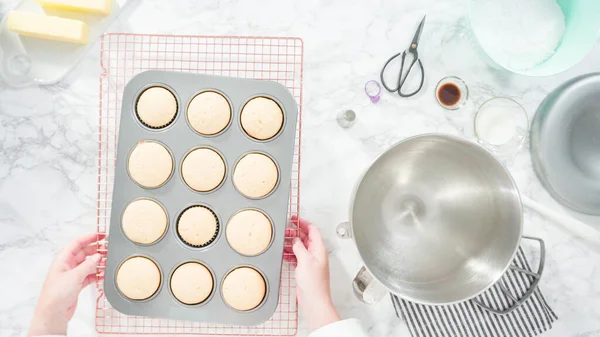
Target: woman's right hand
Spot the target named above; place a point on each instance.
(312, 274)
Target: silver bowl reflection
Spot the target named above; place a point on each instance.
(565, 144)
(437, 219)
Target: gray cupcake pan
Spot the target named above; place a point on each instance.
(175, 196)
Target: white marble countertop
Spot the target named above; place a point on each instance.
(48, 142)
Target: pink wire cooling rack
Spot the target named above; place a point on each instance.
(125, 55)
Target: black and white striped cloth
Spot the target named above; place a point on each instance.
(469, 320)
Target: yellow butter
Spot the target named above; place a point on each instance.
(87, 6)
(48, 27)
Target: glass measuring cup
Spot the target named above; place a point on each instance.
(501, 125)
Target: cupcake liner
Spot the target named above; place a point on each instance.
(212, 239)
(254, 137)
(139, 118)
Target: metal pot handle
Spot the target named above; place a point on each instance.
(343, 230)
(536, 280)
(366, 288)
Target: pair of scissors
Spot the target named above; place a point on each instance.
(401, 76)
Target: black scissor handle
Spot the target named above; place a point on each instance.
(397, 87)
(408, 72)
(401, 77)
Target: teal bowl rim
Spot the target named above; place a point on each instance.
(520, 72)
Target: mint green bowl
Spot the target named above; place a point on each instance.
(581, 33)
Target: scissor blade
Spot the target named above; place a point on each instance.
(415, 41)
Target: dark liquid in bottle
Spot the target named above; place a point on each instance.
(449, 94)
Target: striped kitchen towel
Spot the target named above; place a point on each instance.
(469, 320)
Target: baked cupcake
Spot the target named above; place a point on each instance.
(249, 232)
(197, 226)
(244, 288)
(255, 175)
(209, 113)
(138, 278)
(144, 221)
(203, 169)
(191, 283)
(150, 164)
(156, 107)
(261, 118)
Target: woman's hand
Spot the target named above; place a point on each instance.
(312, 274)
(73, 269)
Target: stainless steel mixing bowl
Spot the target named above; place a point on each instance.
(565, 143)
(436, 219)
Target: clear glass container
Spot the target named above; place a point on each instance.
(501, 125)
(451, 93)
(346, 119)
(26, 61)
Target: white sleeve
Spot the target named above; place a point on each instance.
(346, 328)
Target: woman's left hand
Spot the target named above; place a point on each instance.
(73, 269)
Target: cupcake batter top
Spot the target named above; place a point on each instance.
(261, 118)
(209, 113)
(197, 226)
(244, 288)
(138, 278)
(144, 221)
(191, 283)
(150, 164)
(255, 175)
(249, 232)
(203, 169)
(156, 107)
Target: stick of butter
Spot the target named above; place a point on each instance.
(48, 27)
(87, 6)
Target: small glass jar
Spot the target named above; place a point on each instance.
(346, 119)
(501, 125)
(451, 93)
